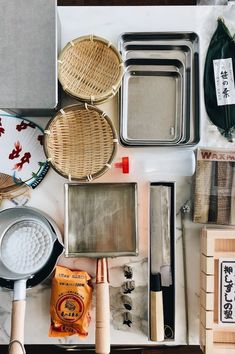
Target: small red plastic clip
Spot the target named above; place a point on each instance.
(124, 165)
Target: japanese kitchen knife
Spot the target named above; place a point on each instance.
(159, 248)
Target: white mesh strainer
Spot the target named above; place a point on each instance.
(26, 245)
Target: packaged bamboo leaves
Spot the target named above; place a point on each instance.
(219, 88)
(214, 189)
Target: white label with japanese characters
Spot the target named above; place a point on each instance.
(224, 81)
(227, 291)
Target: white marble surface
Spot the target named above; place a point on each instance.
(110, 22)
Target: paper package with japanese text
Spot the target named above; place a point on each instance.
(214, 188)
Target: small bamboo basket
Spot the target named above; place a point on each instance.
(9, 189)
(90, 69)
(80, 142)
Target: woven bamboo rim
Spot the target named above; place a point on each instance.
(9, 189)
(80, 142)
(90, 69)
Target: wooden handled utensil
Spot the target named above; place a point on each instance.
(101, 222)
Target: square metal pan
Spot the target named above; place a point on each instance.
(101, 220)
(190, 40)
(157, 86)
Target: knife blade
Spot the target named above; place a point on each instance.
(159, 256)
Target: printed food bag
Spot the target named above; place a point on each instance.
(70, 303)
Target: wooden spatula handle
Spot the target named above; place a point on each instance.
(102, 334)
(102, 319)
(17, 327)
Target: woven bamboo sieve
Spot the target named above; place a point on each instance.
(80, 142)
(9, 189)
(90, 69)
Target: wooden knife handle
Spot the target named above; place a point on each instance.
(156, 316)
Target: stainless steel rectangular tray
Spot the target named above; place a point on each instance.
(169, 45)
(169, 49)
(151, 99)
(175, 38)
(181, 53)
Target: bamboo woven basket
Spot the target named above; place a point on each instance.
(90, 69)
(80, 142)
(9, 189)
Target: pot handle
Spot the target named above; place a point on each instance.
(17, 327)
(17, 318)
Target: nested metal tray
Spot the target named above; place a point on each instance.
(160, 51)
(178, 45)
(174, 38)
(181, 53)
(152, 102)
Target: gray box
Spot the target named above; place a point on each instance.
(28, 56)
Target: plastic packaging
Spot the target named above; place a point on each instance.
(70, 303)
(214, 193)
(219, 88)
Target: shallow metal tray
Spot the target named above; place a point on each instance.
(152, 101)
(151, 38)
(160, 43)
(160, 51)
(181, 53)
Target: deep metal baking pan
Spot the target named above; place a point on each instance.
(175, 39)
(101, 220)
(151, 102)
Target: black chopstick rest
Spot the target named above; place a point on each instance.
(128, 272)
(128, 286)
(127, 302)
(127, 319)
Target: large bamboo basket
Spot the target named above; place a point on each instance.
(80, 142)
(90, 69)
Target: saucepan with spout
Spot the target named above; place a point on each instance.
(29, 249)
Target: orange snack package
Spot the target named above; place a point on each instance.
(70, 303)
